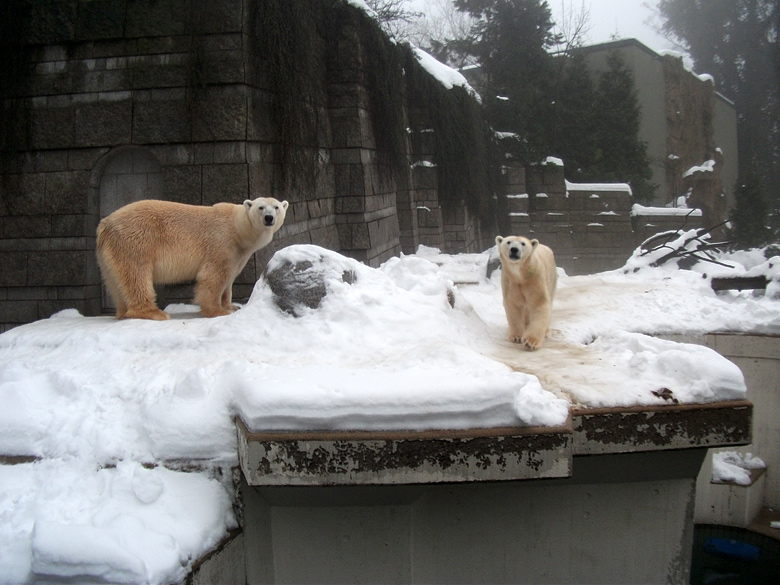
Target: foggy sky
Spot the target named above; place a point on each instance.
(622, 19)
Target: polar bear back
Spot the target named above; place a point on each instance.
(173, 237)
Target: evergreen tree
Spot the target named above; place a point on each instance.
(510, 40)
(576, 120)
(749, 215)
(622, 155)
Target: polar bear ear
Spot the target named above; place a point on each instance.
(247, 204)
(285, 205)
(499, 239)
(534, 243)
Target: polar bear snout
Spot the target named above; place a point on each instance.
(269, 219)
(514, 253)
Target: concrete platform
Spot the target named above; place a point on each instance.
(370, 458)
(353, 458)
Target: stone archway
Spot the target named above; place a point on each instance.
(130, 174)
(124, 175)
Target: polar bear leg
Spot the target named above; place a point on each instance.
(516, 317)
(137, 290)
(212, 282)
(115, 292)
(537, 328)
(227, 299)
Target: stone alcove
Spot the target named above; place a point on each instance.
(124, 175)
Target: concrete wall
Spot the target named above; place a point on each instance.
(589, 226)
(758, 356)
(607, 499)
(725, 135)
(627, 520)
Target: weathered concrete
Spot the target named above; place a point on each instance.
(352, 458)
(758, 356)
(616, 503)
(627, 520)
(312, 459)
(226, 564)
(641, 428)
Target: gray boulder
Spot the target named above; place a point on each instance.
(299, 283)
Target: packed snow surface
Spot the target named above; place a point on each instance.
(618, 187)
(707, 167)
(637, 209)
(111, 410)
(734, 467)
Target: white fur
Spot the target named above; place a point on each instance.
(152, 241)
(528, 282)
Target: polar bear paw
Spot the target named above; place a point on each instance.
(531, 342)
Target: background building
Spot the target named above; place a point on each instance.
(684, 120)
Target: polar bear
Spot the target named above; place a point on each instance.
(528, 281)
(163, 242)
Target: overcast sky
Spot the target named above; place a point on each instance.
(608, 19)
(621, 19)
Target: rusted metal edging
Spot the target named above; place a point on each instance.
(395, 458)
(657, 428)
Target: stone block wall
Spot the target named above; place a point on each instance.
(109, 89)
(178, 99)
(590, 227)
(180, 85)
(649, 223)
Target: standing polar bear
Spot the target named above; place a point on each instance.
(528, 281)
(152, 241)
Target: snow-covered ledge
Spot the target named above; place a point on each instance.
(386, 458)
(351, 458)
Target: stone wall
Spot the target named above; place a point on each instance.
(590, 227)
(122, 102)
(690, 120)
(175, 100)
(118, 100)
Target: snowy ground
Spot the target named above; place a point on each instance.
(102, 405)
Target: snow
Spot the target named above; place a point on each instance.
(604, 187)
(707, 167)
(444, 74)
(361, 5)
(734, 467)
(113, 411)
(64, 519)
(639, 210)
(705, 77)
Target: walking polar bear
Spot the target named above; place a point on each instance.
(152, 241)
(528, 281)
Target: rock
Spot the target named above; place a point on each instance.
(303, 283)
(493, 263)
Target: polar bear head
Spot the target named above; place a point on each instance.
(515, 248)
(266, 213)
